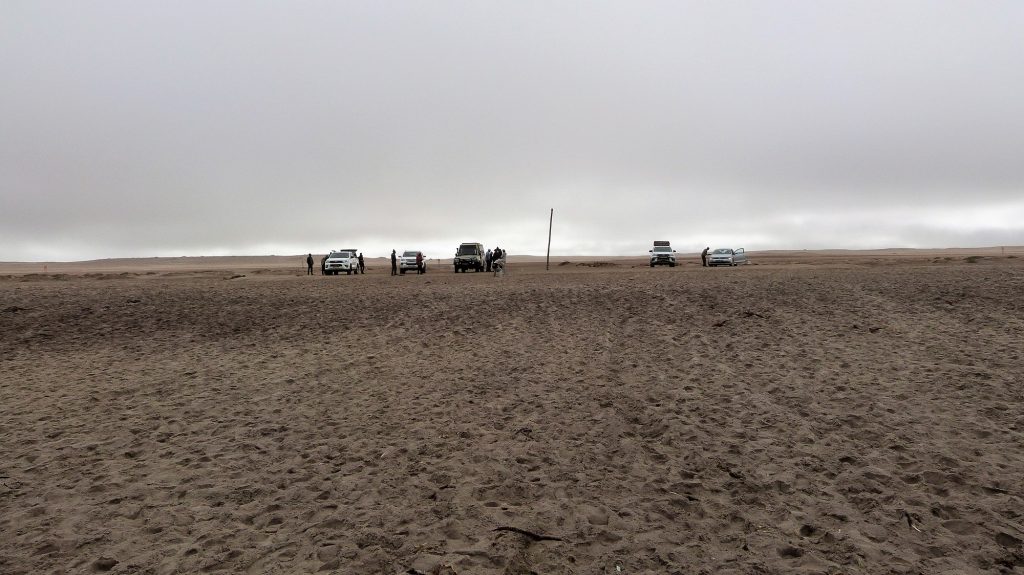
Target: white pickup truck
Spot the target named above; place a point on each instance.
(342, 261)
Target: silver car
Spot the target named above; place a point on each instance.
(728, 257)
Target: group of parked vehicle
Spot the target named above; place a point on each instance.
(662, 254)
(350, 261)
(468, 256)
(472, 256)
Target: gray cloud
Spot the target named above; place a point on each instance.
(136, 128)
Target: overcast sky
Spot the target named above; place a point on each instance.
(142, 128)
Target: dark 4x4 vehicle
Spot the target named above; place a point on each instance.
(469, 257)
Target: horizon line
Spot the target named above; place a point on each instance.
(579, 255)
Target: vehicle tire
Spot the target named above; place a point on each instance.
(652, 265)
(401, 272)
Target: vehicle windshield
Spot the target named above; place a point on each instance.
(467, 251)
(662, 249)
(408, 254)
(722, 251)
(341, 255)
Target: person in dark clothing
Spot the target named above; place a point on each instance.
(419, 262)
(309, 264)
(488, 259)
(323, 265)
(704, 257)
(394, 263)
(498, 261)
(362, 266)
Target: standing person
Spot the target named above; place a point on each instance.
(362, 266)
(498, 261)
(394, 263)
(419, 262)
(309, 265)
(488, 259)
(704, 257)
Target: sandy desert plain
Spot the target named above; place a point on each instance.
(816, 412)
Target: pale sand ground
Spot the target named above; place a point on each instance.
(784, 417)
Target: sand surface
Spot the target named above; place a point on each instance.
(850, 413)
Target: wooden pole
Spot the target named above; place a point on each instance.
(551, 220)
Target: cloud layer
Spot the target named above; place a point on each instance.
(137, 128)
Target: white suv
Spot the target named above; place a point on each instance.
(342, 261)
(662, 254)
(407, 262)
